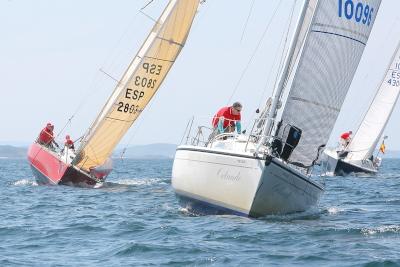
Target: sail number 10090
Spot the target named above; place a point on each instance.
(361, 13)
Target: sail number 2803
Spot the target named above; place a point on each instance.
(127, 107)
(353, 10)
(148, 68)
(140, 83)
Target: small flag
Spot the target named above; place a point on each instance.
(382, 148)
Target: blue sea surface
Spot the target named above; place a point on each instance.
(135, 220)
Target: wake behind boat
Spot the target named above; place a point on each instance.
(90, 165)
(269, 170)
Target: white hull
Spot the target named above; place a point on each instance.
(241, 183)
(340, 167)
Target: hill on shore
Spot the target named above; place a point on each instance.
(7, 151)
(152, 151)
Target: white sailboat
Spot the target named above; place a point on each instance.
(89, 166)
(358, 156)
(268, 171)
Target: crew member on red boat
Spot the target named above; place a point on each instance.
(345, 138)
(46, 136)
(69, 143)
(228, 118)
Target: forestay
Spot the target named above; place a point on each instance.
(371, 129)
(331, 52)
(139, 83)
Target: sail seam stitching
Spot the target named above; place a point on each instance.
(340, 35)
(314, 103)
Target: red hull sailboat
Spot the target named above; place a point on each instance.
(91, 164)
(49, 167)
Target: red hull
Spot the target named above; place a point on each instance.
(48, 168)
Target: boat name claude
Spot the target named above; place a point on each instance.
(225, 175)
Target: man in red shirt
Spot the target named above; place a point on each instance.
(345, 138)
(46, 136)
(228, 118)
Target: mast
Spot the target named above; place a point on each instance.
(280, 87)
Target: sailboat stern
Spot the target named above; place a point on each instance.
(337, 166)
(346, 167)
(283, 190)
(221, 182)
(209, 181)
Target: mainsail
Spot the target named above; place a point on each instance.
(365, 140)
(139, 83)
(330, 55)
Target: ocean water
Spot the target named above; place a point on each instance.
(135, 220)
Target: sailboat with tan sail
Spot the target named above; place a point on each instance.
(90, 165)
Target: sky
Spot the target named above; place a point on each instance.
(54, 56)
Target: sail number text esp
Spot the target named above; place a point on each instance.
(141, 82)
(394, 76)
(353, 10)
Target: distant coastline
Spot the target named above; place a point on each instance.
(151, 151)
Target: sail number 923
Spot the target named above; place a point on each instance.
(355, 10)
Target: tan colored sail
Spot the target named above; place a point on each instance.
(139, 83)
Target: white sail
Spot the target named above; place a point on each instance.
(365, 140)
(331, 53)
(138, 85)
(291, 62)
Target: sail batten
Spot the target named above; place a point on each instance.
(139, 83)
(331, 53)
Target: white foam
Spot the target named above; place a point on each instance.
(139, 182)
(381, 229)
(25, 182)
(334, 210)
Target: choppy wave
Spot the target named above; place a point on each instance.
(334, 210)
(136, 219)
(381, 230)
(140, 182)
